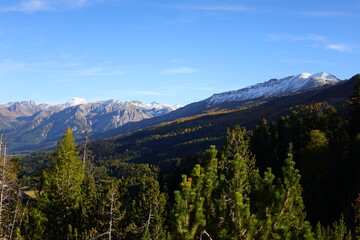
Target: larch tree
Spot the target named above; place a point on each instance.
(61, 197)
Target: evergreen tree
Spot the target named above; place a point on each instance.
(354, 108)
(263, 145)
(237, 177)
(60, 199)
(290, 221)
(149, 211)
(315, 180)
(189, 206)
(357, 217)
(110, 212)
(338, 231)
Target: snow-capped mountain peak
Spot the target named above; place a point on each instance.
(76, 101)
(276, 87)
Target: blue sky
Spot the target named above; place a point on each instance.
(174, 52)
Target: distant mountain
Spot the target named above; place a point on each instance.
(28, 125)
(167, 143)
(276, 87)
(31, 126)
(234, 100)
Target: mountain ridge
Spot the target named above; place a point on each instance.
(276, 87)
(109, 118)
(229, 101)
(29, 124)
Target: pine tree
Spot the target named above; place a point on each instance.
(357, 217)
(237, 178)
(338, 231)
(189, 206)
(150, 210)
(263, 145)
(110, 212)
(354, 108)
(315, 180)
(290, 222)
(61, 198)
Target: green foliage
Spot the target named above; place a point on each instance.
(338, 231)
(234, 185)
(188, 208)
(149, 210)
(61, 198)
(290, 222)
(357, 217)
(110, 211)
(226, 195)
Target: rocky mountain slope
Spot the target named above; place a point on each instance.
(239, 99)
(32, 127)
(276, 87)
(187, 138)
(28, 125)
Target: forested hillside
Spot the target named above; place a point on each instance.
(187, 137)
(293, 178)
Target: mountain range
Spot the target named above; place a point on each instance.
(239, 99)
(29, 126)
(172, 142)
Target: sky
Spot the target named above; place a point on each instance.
(175, 52)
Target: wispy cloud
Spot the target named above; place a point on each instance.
(57, 68)
(318, 41)
(339, 47)
(151, 93)
(30, 6)
(96, 71)
(328, 14)
(306, 61)
(205, 89)
(222, 8)
(16, 66)
(289, 37)
(181, 70)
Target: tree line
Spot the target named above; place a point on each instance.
(297, 178)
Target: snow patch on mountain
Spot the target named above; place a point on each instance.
(276, 87)
(75, 101)
(156, 109)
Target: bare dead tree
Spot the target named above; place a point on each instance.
(9, 199)
(114, 213)
(85, 145)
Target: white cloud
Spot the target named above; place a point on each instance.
(205, 89)
(151, 93)
(16, 66)
(30, 6)
(328, 14)
(223, 8)
(58, 68)
(339, 47)
(318, 42)
(181, 70)
(302, 61)
(289, 37)
(96, 71)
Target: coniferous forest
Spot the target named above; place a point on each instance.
(296, 178)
